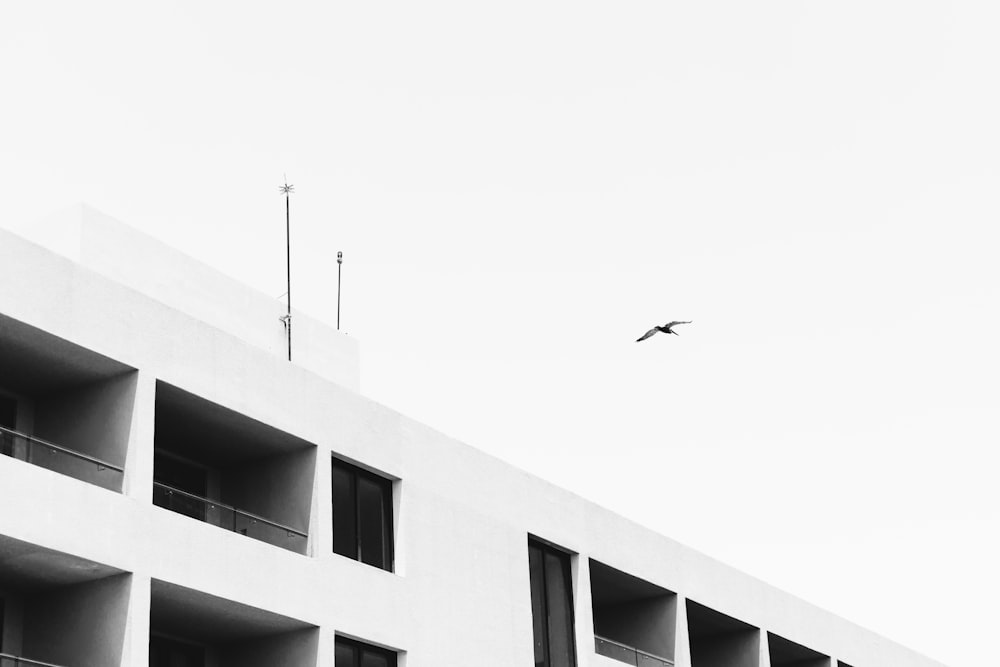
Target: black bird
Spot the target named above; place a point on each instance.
(666, 328)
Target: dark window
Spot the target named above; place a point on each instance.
(362, 515)
(350, 653)
(165, 652)
(551, 606)
(8, 419)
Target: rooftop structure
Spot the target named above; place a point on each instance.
(178, 494)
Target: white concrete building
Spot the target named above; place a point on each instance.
(176, 493)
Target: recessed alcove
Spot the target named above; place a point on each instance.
(719, 640)
(634, 619)
(58, 608)
(64, 407)
(190, 628)
(219, 466)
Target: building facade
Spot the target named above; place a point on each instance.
(176, 493)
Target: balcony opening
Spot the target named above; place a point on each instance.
(59, 609)
(786, 653)
(190, 628)
(718, 640)
(62, 406)
(224, 468)
(633, 619)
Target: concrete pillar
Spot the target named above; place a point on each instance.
(136, 648)
(139, 458)
(765, 650)
(583, 614)
(682, 640)
(321, 522)
(326, 650)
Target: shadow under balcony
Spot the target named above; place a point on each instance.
(62, 406)
(216, 465)
(190, 628)
(786, 653)
(718, 640)
(58, 609)
(634, 619)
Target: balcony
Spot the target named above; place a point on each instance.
(219, 466)
(718, 640)
(60, 459)
(190, 628)
(628, 654)
(228, 517)
(786, 653)
(634, 620)
(59, 609)
(62, 406)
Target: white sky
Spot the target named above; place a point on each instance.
(521, 189)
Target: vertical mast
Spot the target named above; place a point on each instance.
(340, 261)
(287, 190)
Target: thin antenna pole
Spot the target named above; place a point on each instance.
(340, 261)
(287, 190)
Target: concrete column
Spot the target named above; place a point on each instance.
(321, 517)
(139, 458)
(765, 650)
(136, 649)
(326, 651)
(682, 640)
(583, 613)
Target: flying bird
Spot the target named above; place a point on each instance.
(666, 328)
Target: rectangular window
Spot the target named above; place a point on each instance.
(362, 515)
(351, 653)
(551, 606)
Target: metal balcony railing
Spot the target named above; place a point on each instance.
(7, 660)
(628, 654)
(60, 459)
(224, 516)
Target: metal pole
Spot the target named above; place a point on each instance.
(340, 261)
(287, 190)
(288, 269)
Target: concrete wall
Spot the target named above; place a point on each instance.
(95, 419)
(78, 626)
(289, 649)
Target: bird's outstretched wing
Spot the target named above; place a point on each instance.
(667, 326)
(647, 334)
